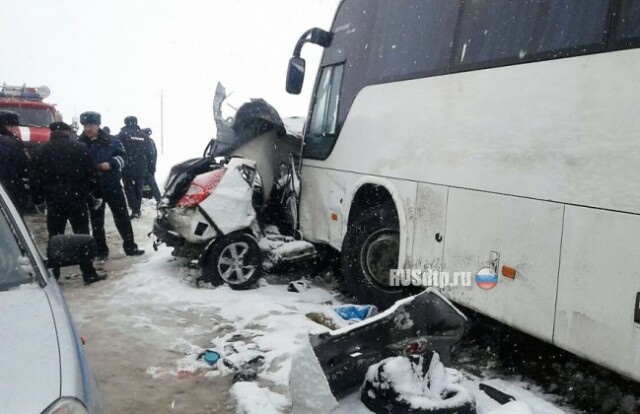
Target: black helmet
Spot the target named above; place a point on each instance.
(59, 126)
(131, 121)
(8, 118)
(90, 117)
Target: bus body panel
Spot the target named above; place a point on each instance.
(543, 130)
(526, 234)
(599, 281)
(325, 192)
(430, 218)
(321, 195)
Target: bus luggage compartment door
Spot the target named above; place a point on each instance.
(523, 235)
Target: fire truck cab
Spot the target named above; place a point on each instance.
(35, 115)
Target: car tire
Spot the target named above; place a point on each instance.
(236, 260)
(381, 397)
(364, 244)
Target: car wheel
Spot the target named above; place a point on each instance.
(370, 250)
(235, 260)
(383, 394)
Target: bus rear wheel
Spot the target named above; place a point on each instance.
(370, 250)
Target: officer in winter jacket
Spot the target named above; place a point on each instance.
(109, 157)
(14, 161)
(63, 174)
(152, 159)
(135, 142)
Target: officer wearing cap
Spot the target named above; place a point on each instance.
(63, 174)
(14, 161)
(150, 171)
(135, 142)
(109, 156)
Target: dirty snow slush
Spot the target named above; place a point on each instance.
(148, 328)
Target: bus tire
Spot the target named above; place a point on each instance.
(366, 238)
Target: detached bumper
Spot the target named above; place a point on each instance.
(163, 231)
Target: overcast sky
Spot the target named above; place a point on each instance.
(114, 57)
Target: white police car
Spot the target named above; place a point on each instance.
(43, 368)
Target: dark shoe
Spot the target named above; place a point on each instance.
(93, 279)
(136, 252)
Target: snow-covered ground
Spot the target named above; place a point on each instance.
(148, 325)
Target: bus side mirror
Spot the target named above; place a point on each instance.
(295, 75)
(320, 37)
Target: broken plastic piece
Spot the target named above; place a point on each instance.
(355, 312)
(496, 394)
(211, 357)
(428, 316)
(298, 286)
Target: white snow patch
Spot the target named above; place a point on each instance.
(533, 397)
(252, 399)
(514, 407)
(270, 320)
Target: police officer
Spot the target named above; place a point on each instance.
(14, 161)
(150, 172)
(63, 174)
(109, 157)
(135, 142)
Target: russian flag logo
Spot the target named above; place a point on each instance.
(486, 279)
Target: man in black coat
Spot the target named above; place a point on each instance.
(150, 173)
(14, 161)
(135, 143)
(64, 175)
(109, 157)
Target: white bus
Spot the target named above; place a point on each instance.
(464, 134)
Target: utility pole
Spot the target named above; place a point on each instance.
(161, 121)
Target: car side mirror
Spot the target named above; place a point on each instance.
(70, 250)
(295, 75)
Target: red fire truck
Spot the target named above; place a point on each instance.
(35, 115)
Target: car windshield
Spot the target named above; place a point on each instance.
(41, 117)
(15, 266)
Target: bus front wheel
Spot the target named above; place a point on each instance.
(370, 250)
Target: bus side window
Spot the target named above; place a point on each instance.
(574, 24)
(323, 125)
(494, 30)
(500, 32)
(412, 41)
(628, 32)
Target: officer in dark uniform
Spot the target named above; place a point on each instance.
(109, 156)
(150, 172)
(135, 142)
(63, 174)
(14, 161)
